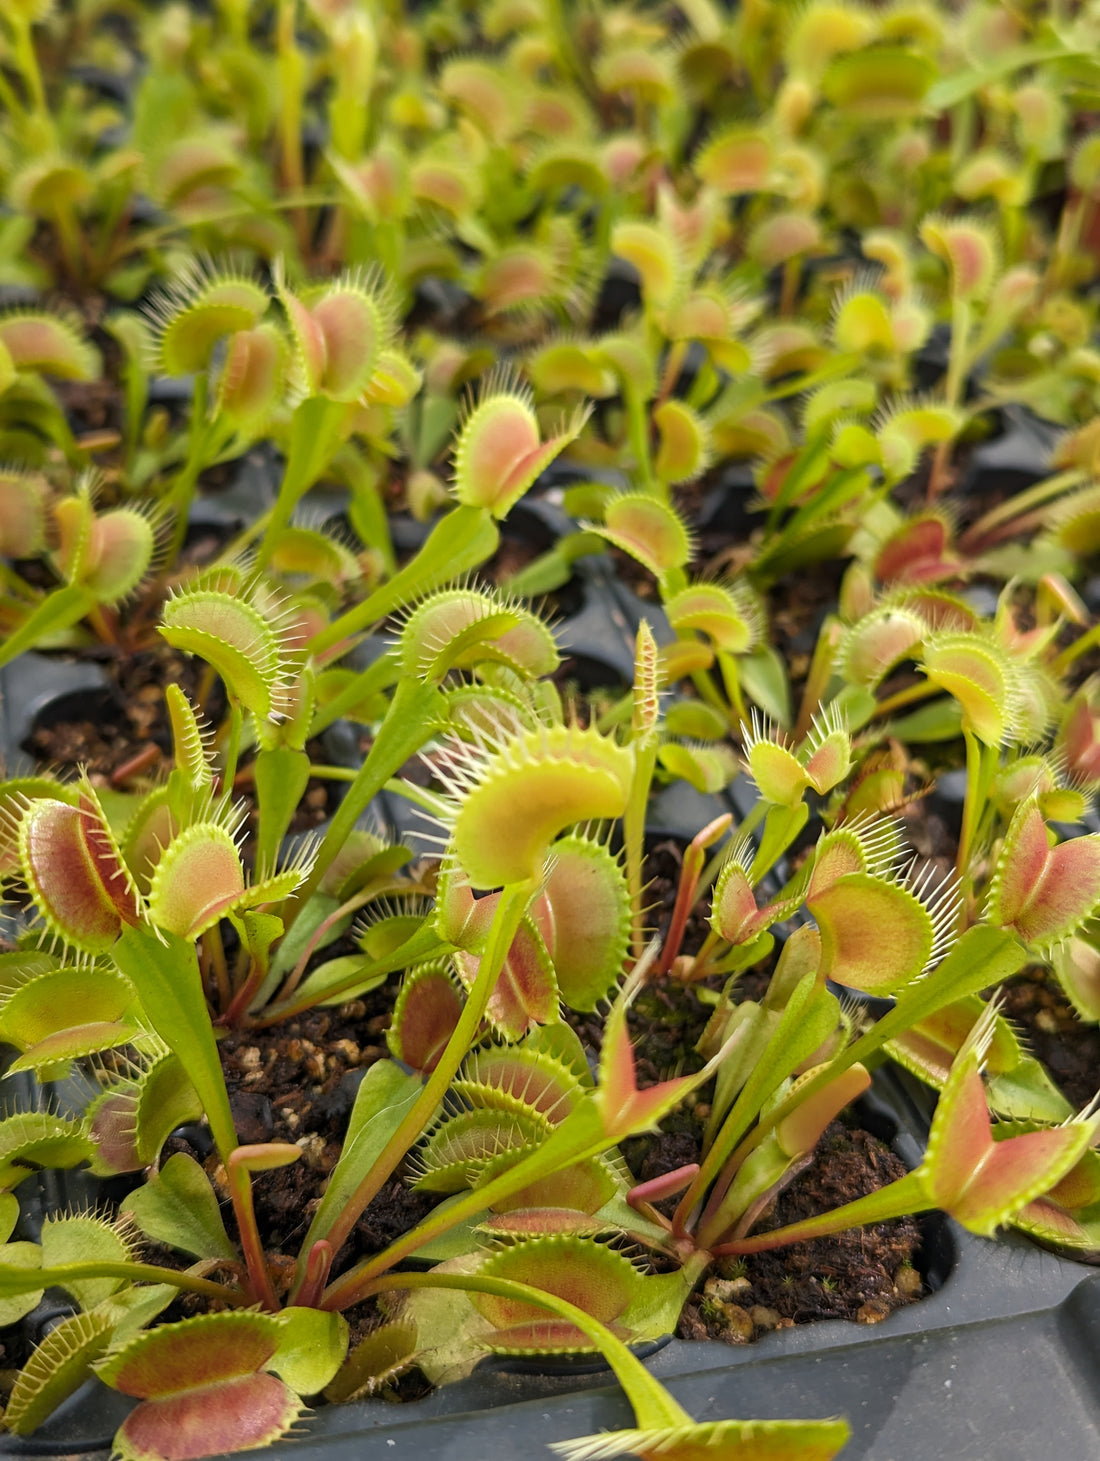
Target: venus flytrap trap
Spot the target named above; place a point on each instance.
(35, 344)
(208, 307)
(344, 358)
(105, 558)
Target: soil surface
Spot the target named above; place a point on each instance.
(297, 1083)
(861, 1275)
(126, 741)
(128, 724)
(1069, 1049)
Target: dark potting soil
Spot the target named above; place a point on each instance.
(127, 742)
(132, 723)
(297, 1083)
(861, 1275)
(1070, 1049)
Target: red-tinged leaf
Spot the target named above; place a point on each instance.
(352, 329)
(669, 1184)
(233, 1415)
(1014, 1172)
(424, 1017)
(1067, 893)
(583, 915)
(23, 500)
(539, 1222)
(915, 553)
(880, 640)
(119, 553)
(981, 1182)
(175, 1358)
(595, 1278)
(875, 936)
(830, 762)
(624, 1110)
(309, 340)
(1081, 741)
(500, 434)
(736, 160)
(1043, 893)
(75, 873)
(542, 1336)
(526, 991)
(251, 380)
(1021, 867)
(581, 1189)
(113, 1129)
(52, 344)
(499, 451)
(648, 530)
(733, 909)
(834, 860)
(1044, 1219)
(799, 1132)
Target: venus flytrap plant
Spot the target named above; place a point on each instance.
(982, 1181)
(763, 1122)
(662, 1428)
(243, 631)
(103, 556)
(498, 453)
(989, 687)
(567, 776)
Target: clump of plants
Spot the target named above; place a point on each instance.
(741, 301)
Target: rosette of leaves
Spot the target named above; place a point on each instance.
(571, 946)
(792, 1060)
